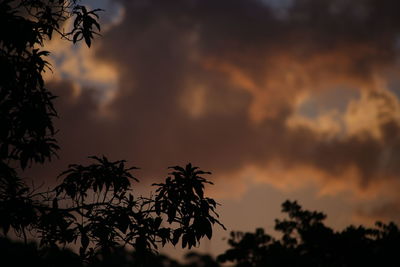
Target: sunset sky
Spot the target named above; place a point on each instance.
(290, 99)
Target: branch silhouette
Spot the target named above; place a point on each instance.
(94, 206)
(306, 241)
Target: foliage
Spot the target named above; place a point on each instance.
(26, 109)
(307, 241)
(182, 199)
(94, 206)
(11, 251)
(14, 253)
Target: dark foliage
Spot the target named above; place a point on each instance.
(304, 241)
(11, 251)
(26, 109)
(94, 206)
(307, 241)
(21, 254)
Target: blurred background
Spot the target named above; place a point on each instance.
(290, 99)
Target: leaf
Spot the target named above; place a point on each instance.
(123, 223)
(157, 207)
(207, 228)
(177, 235)
(198, 187)
(88, 40)
(171, 214)
(184, 240)
(157, 222)
(84, 241)
(96, 24)
(177, 168)
(77, 36)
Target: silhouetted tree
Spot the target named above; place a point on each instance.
(307, 241)
(14, 253)
(26, 109)
(94, 206)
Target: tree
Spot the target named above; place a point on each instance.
(11, 251)
(307, 241)
(26, 109)
(94, 205)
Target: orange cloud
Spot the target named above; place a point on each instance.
(253, 97)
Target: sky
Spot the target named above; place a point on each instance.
(294, 99)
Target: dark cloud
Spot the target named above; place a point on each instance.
(388, 211)
(194, 74)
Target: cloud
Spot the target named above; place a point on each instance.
(77, 63)
(385, 212)
(225, 84)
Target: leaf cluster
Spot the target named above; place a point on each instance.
(26, 106)
(306, 241)
(94, 207)
(84, 24)
(181, 199)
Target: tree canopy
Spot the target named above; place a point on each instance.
(26, 108)
(305, 240)
(302, 239)
(94, 206)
